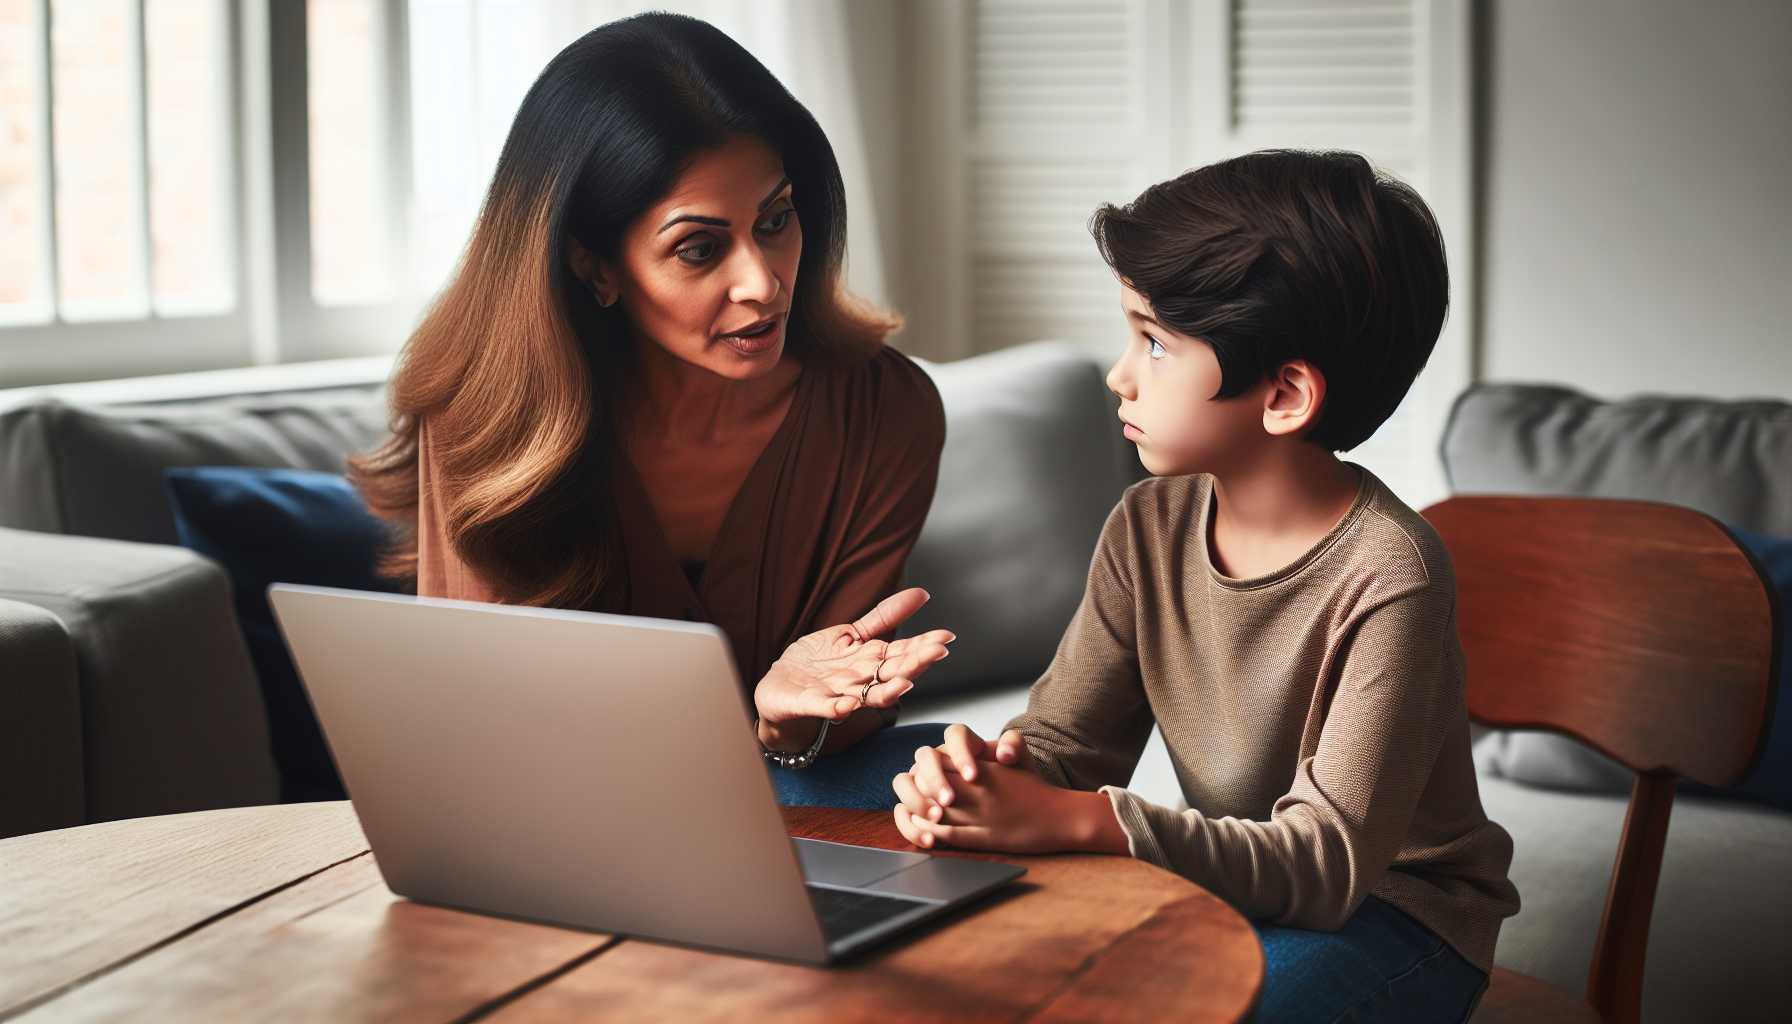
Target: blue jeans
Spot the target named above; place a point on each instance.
(859, 776)
(1381, 966)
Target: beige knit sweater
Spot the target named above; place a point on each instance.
(1315, 717)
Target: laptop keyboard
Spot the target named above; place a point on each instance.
(843, 913)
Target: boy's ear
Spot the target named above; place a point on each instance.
(1293, 398)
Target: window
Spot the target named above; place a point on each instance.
(115, 148)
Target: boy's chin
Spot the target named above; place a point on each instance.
(1159, 464)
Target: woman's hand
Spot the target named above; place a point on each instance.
(833, 672)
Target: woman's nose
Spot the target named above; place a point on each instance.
(754, 281)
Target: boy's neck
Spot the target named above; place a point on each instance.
(1270, 511)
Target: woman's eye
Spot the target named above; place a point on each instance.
(1157, 348)
(697, 254)
(778, 221)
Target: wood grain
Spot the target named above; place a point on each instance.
(1146, 944)
(1639, 628)
(278, 914)
(76, 901)
(337, 947)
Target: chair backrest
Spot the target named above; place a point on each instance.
(1639, 628)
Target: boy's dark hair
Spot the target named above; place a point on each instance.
(1282, 255)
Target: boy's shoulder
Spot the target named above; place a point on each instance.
(1400, 544)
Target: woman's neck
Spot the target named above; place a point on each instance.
(675, 402)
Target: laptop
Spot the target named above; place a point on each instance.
(596, 771)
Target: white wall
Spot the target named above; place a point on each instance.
(1637, 167)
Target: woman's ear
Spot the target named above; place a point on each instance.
(1292, 402)
(593, 272)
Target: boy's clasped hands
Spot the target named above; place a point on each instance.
(971, 793)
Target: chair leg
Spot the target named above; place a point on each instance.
(1615, 982)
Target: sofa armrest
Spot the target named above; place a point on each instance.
(40, 723)
(171, 717)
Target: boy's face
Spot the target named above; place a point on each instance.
(1167, 382)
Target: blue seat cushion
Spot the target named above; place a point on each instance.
(269, 526)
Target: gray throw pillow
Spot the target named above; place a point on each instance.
(1033, 462)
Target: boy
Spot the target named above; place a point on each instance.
(1282, 616)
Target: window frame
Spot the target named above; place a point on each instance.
(274, 318)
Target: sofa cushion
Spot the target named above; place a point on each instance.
(97, 471)
(40, 723)
(1730, 460)
(268, 526)
(171, 719)
(1033, 462)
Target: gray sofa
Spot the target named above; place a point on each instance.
(126, 689)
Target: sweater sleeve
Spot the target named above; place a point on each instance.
(1331, 837)
(1087, 718)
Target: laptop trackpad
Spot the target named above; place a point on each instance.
(839, 864)
(947, 878)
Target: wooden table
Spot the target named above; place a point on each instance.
(278, 913)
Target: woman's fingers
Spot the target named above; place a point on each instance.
(933, 637)
(891, 612)
(832, 706)
(913, 662)
(889, 692)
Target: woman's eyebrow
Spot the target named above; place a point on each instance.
(783, 183)
(1136, 315)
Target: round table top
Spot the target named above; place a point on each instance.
(274, 913)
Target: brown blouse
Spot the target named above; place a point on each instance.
(818, 533)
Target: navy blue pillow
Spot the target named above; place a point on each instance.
(1771, 780)
(282, 526)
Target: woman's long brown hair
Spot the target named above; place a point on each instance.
(515, 368)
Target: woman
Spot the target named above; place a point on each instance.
(645, 391)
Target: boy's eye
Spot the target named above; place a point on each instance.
(1157, 348)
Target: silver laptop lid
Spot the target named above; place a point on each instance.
(594, 770)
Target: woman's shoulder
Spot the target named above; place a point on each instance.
(886, 369)
(886, 395)
(895, 389)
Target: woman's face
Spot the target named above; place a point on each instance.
(707, 273)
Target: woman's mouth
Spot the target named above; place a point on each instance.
(756, 338)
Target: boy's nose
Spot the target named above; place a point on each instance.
(1119, 380)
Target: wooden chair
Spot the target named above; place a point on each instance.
(1640, 629)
